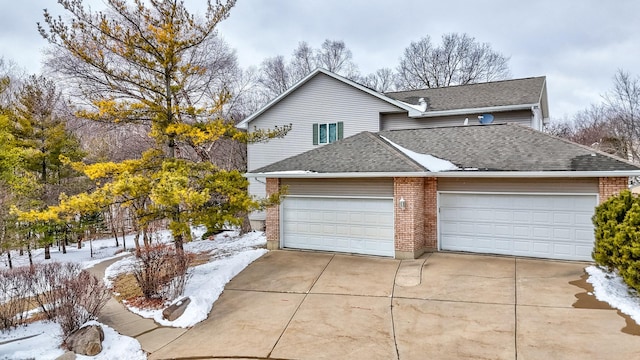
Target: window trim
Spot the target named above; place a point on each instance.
(339, 132)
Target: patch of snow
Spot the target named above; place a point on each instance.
(421, 108)
(430, 162)
(103, 249)
(48, 338)
(610, 288)
(230, 254)
(121, 266)
(204, 287)
(291, 172)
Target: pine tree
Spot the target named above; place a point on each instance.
(146, 63)
(42, 135)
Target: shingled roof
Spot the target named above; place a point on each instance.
(482, 95)
(473, 149)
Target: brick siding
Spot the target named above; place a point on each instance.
(409, 222)
(431, 214)
(272, 225)
(610, 186)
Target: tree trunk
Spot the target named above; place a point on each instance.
(64, 240)
(124, 238)
(9, 259)
(47, 251)
(30, 257)
(246, 224)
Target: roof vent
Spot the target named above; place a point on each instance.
(485, 119)
(423, 104)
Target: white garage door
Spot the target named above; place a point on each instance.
(546, 226)
(352, 225)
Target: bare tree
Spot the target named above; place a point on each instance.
(303, 61)
(278, 74)
(623, 104)
(275, 75)
(383, 80)
(594, 127)
(334, 56)
(459, 60)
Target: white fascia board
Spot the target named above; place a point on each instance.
(472, 110)
(244, 124)
(469, 174)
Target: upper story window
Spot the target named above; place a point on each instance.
(326, 133)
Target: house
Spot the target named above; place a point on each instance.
(324, 107)
(403, 173)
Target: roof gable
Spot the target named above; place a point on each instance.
(244, 123)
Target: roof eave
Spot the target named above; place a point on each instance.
(463, 173)
(503, 108)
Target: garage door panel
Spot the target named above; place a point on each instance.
(354, 225)
(538, 225)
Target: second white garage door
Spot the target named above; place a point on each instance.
(546, 226)
(352, 225)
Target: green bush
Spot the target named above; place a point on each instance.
(617, 232)
(609, 215)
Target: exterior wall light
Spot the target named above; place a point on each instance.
(402, 203)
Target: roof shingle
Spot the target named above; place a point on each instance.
(499, 93)
(499, 147)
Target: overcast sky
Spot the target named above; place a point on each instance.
(577, 44)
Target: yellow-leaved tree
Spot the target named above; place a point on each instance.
(148, 62)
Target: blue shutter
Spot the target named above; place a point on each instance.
(315, 134)
(340, 130)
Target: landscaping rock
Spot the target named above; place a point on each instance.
(86, 341)
(176, 310)
(69, 355)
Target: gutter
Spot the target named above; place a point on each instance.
(417, 114)
(450, 174)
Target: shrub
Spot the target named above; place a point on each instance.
(617, 230)
(81, 299)
(161, 271)
(64, 293)
(608, 216)
(14, 297)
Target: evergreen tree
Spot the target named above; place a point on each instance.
(147, 63)
(41, 134)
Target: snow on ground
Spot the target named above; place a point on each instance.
(610, 288)
(230, 254)
(47, 337)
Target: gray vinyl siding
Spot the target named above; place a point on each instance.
(399, 121)
(560, 185)
(369, 187)
(322, 99)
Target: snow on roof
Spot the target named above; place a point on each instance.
(430, 162)
(291, 172)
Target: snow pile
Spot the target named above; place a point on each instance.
(612, 289)
(47, 337)
(230, 254)
(430, 162)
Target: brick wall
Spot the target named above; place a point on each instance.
(431, 214)
(609, 186)
(409, 222)
(272, 225)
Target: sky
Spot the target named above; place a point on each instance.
(577, 44)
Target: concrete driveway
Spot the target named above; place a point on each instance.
(305, 305)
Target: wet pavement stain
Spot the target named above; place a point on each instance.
(587, 300)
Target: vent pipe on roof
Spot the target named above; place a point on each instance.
(423, 104)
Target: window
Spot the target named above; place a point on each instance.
(327, 133)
